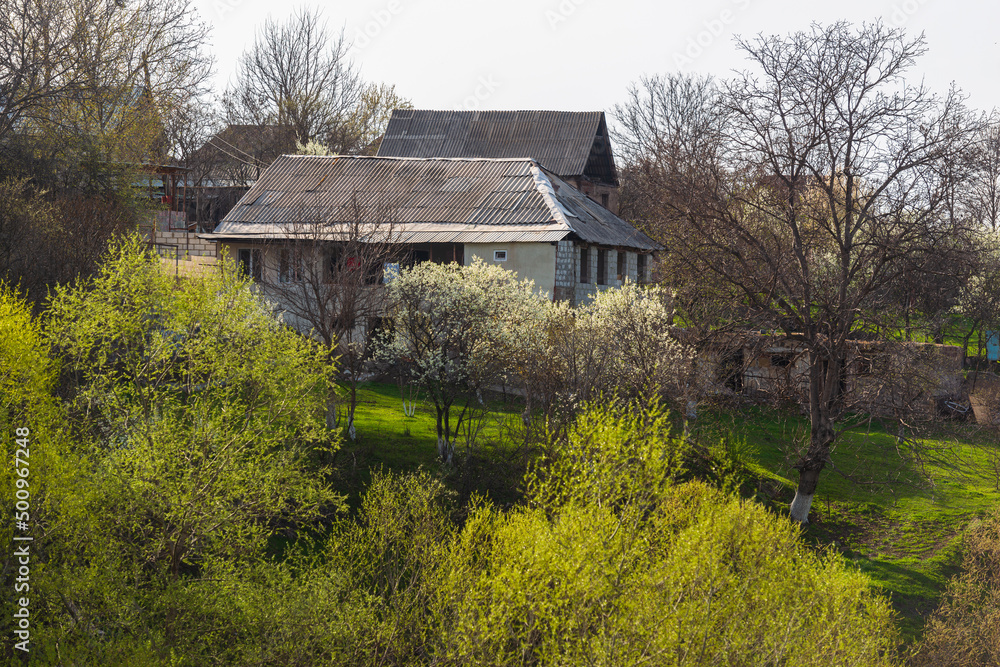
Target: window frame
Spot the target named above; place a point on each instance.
(251, 263)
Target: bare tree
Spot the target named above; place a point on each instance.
(297, 74)
(984, 184)
(804, 190)
(330, 271)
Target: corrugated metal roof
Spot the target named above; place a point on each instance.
(569, 143)
(499, 200)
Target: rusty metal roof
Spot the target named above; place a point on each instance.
(447, 200)
(568, 143)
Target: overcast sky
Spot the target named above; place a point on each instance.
(581, 55)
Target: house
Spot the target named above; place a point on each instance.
(227, 164)
(513, 211)
(878, 377)
(572, 145)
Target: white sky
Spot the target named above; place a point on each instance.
(581, 55)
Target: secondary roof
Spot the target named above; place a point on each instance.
(568, 143)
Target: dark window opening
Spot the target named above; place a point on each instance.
(584, 265)
(289, 266)
(421, 256)
(251, 264)
(602, 267)
(622, 267)
(333, 265)
(731, 371)
(374, 273)
(783, 360)
(604, 199)
(640, 269)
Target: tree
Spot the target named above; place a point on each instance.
(203, 413)
(105, 73)
(806, 190)
(89, 91)
(618, 346)
(454, 330)
(984, 184)
(329, 272)
(297, 74)
(611, 562)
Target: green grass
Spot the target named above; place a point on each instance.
(896, 510)
(389, 440)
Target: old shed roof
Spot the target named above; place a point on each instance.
(568, 143)
(434, 200)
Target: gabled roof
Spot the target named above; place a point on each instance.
(434, 200)
(568, 143)
(237, 153)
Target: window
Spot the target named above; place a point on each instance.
(602, 267)
(584, 265)
(499, 255)
(289, 266)
(622, 267)
(781, 360)
(604, 199)
(640, 269)
(333, 265)
(251, 264)
(421, 256)
(373, 272)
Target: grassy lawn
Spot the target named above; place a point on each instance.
(897, 510)
(389, 440)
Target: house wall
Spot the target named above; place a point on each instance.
(899, 377)
(534, 261)
(583, 292)
(567, 273)
(595, 190)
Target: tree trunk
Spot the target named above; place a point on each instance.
(350, 413)
(445, 450)
(823, 380)
(802, 503)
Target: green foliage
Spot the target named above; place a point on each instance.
(204, 411)
(705, 580)
(965, 629)
(614, 457)
(610, 571)
(198, 422)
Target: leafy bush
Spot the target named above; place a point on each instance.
(965, 629)
(608, 569)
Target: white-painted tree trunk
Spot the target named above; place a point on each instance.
(801, 505)
(444, 450)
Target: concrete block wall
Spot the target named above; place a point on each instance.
(187, 244)
(582, 292)
(566, 271)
